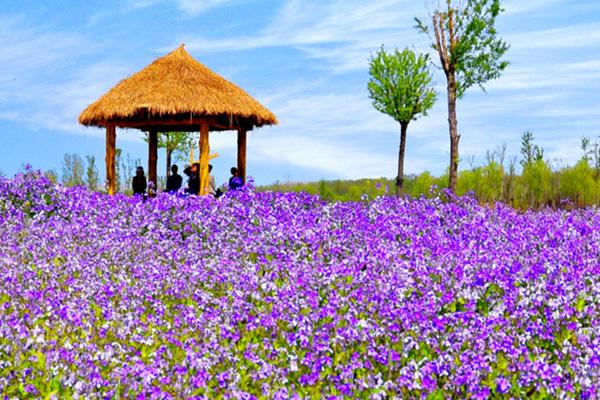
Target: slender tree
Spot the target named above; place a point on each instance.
(530, 152)
(400, 86)
(72, 170)
(173, 142)
(470, 53)
(91, 173)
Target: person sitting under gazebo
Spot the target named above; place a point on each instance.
(174, 180)
(193, 173)
(235, 182)
(138, 183)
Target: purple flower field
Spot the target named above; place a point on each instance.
(270, 295)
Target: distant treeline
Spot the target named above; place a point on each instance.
(83, 171)
(537, 184)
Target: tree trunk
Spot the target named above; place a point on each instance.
(241, 154)
(169, 152)
(453, 128)
(152, 158)
(400, 177)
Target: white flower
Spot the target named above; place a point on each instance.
(293, 364)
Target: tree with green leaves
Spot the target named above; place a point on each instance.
(400, 86)
(530, 152)
(173, 142)
(465, 39)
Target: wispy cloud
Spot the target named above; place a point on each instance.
(44, 82)
(191, 8)
(342, 33)
(513, 7)
(571, 36)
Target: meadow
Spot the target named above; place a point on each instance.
(284, 295)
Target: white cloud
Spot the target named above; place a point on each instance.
(44, 84)
(192, 8)
(572, 36)
(325, 154)
(342, 33)
(513, 7)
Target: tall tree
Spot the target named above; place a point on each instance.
(173, 142)
(400, 86)
(470, 53)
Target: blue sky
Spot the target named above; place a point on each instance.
(305, 60)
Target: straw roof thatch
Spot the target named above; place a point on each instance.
(176, 92)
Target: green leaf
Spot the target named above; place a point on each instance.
(580, 304)
(437, 395)
(502, 362)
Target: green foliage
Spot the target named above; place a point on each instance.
(469, 180)
(337, 190)
(471, 48)
(422, 184)
(493, 178)
(50, 174)
(173, 141)
(91, 173)
(400, 84)
(536, 184)
(72, 170)
(578, 183)
(529, 151)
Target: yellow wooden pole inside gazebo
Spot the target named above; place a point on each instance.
(203, 148)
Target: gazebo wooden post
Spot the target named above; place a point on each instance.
(109, 159)
(241, 153)
(203, 148)
(152, 157)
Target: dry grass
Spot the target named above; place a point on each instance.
(176, 87)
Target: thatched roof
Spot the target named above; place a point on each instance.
(176, 92)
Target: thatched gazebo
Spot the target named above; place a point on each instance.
(175, 93)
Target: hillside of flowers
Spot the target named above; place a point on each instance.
(272, 295)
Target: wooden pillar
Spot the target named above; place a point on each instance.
(110, 159)
(204, 149)
(241, 154)
(152, 157)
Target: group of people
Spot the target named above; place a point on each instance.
(175, 181)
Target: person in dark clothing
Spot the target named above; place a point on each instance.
(235, 182)
(193, 173)
(138, 183)
(174, 181)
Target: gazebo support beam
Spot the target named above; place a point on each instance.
(241, 154)
(188, 125)
(152, 157)
(110, 159)
(204, 149)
